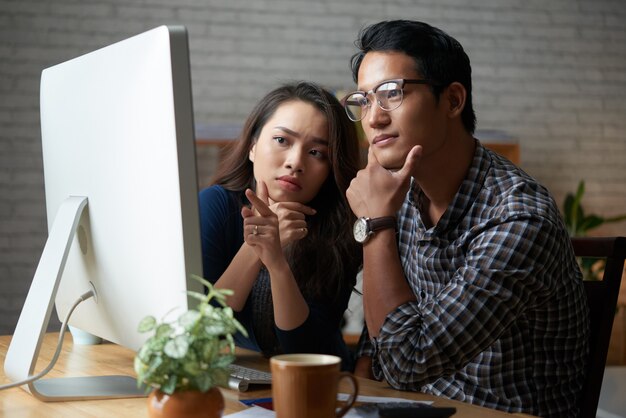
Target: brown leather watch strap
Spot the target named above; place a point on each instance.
(384, 222)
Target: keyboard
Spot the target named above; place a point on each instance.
(241, 377)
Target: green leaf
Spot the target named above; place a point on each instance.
(223, 361)
(192, 368)
(590, 222)
(147, 324)
(164, 331)
(189, 319)
(615, 219)
(140, 367)
(204, 382)
(154, 365)
(228, 342)
(576, 211)
(579, 193)
(177, 348)
(240, 327)
(170, 385)
(220, 376)
(155, 345)
(207, 310)
(227, 312)
(202, 280)
(587, 262)
(225, 292)
(145, 351)
(220, 299)
(209, 349)
(214, 329)
(198, 296)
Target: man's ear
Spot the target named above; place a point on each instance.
(456, 95)
(251, 153)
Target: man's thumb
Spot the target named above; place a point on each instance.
(411, 161)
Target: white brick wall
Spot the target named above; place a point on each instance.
(550, 73)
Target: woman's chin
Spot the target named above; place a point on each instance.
(285, 196)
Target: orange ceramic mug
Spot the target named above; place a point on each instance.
(305, 386)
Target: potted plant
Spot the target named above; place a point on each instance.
(185, 360)
(578, 223)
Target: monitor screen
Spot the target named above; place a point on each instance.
(121, 192)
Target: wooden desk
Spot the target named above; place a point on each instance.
(112, 359)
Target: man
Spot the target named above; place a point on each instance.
(470, 286)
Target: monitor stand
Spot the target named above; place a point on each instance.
(32, 325)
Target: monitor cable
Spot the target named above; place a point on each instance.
(45, 371)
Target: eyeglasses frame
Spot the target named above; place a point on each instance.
(400, 81)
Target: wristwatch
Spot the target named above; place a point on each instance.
(365, 227)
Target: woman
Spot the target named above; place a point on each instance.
(276, 225)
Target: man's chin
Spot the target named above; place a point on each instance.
(390, 162)
(390, 165)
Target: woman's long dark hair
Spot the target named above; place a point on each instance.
(326, 261)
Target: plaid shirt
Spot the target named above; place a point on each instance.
(500, 318)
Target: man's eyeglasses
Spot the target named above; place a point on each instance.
(388, 96)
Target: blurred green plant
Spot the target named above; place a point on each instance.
(578, 223)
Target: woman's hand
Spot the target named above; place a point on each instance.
(291, 220)
(263, 234)
(260, 228)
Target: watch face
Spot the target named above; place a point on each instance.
(360, 230)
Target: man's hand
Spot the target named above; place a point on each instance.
(373, 193)
(376, 191)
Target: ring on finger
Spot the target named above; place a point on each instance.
(255, 230)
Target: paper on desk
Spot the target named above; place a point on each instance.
(377, 399)
(258, 412)
(253, 412)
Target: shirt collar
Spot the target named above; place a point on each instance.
(465, 197)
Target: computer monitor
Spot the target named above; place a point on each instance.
(121, 199)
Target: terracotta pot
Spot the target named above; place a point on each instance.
(186, 404)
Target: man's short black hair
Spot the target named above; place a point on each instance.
(438, 56)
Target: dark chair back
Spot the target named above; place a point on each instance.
(602, 301)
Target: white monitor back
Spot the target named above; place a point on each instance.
(117, 127)
(121, 196)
